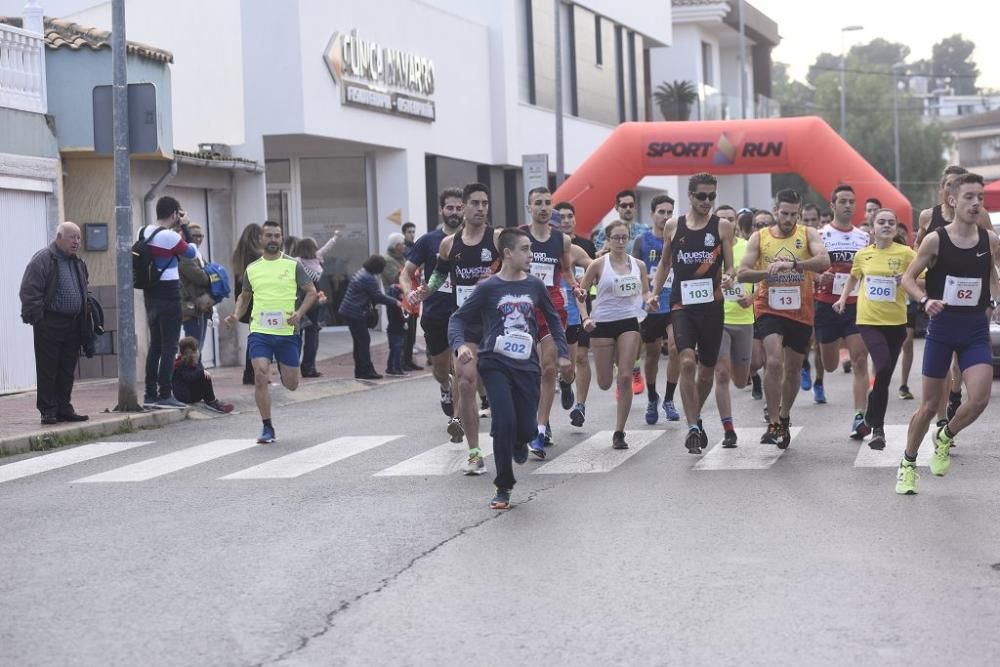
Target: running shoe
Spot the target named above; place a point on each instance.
(819, 394)
(904, 393)
(150, 401)
(771, 435)
(618, 440)
(455, 429)
(878, 439)
(474, 465)
(805, 380)
(548, 435)
(671, 411)
(729, 439)
(756, 393)
(219, 406)
(447, 406)
(171, 402)
(941, 422)
(693, 441)
(859, 429)
(484, 408)
(638, 385)
(767, 417)
(501, 500)
(520, 452)
(267, 435)
(568, 399)
(784, 435)
(846, 365)
(704, 436)
(941, 460)
(653, 410)
(906, 478)
(537, 446)
(578, 415)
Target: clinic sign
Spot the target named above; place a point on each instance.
(381, 78)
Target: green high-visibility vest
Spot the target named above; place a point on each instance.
(274, 288)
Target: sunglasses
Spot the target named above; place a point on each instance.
(619, 239)
(626, 205)
(704, 196)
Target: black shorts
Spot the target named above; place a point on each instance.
(912, 309)
(573, 333)
(794, 335)
(583, 338)
(831, 326)
(615, 328)
(654, 327)
(436, 335)
(699, 329)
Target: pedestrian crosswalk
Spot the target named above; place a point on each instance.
(592, 455)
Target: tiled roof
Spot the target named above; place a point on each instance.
(60, 33)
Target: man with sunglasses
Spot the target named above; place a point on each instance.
(699, 247)
(625, 207)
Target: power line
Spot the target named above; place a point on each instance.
(933, 75)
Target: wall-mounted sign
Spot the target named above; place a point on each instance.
(376, 77)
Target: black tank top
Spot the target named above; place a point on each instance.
(696, 254)
(547, 258)
(937, 219)
(974, 262)
(472, 263)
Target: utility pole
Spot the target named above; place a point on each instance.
(127, 399)
(560, 166)
(843, 77)
(743, 93)
(895, 118)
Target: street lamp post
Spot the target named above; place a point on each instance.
(843, 77)
(895, 117)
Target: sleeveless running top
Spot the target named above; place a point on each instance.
(619, 296)
(937, 219)
(736, 314)
(471, 264)
(697, 260)
(546, 263)
(787, 294)
(961, 276)
(650, 249)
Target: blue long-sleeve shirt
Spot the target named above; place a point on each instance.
(502, 306)
(361, 293)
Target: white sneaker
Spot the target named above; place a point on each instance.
(474, 465)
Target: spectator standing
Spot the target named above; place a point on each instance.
(310, 257)
(246, 253)
(54, 301)
(196, 301)
(362, 292)
(168, 242)
(409, 234)
(395, 258)
(395, 332)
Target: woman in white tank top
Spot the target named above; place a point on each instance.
(614, 319)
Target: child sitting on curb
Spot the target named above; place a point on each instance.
(191, 383)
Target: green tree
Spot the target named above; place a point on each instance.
(951, 60)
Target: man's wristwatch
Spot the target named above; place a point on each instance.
(994, 303)
(923, 303)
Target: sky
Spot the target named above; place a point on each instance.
(808, 28)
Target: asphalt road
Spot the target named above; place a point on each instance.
(355, 553)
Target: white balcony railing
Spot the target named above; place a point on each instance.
(22, 70)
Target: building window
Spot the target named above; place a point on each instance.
(529, 33)
(706, 64)
(620, 73)
(598, 41)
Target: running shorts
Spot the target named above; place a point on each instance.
(283, 349)
(832, 326)
(964, 334)
(573, 333)
(436, 335)
(737, 343)
(654, 327)
(543, 325)
(795, 335)
(699, 329)
(615, 328)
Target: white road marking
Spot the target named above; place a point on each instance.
(595, 454)
(444, 459)
(313, 458)
(895, 445)
(748, 455)
(168, 463)
(64, 458)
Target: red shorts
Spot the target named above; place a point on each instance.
(556, 294)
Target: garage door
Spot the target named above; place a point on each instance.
(22, 223)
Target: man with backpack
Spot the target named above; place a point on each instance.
(155, 262)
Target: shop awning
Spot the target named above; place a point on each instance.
(993, 196)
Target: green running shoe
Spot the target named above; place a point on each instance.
(941, 460)
(906, 478)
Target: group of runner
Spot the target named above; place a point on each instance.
(510, 315)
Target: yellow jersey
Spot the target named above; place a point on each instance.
(881, 299)
(788, 294)
(736, 314)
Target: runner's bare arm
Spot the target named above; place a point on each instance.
(926, 254)
(591, 277)
(441, 268)
(241, 305)
(747, 273)
(727, 231)
(567, 264)
(923, 222)
(644, 281)
(407, 276)
(308, 300)
(820, 260)
(663, 266)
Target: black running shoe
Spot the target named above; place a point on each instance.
(567, 396)
(618, 440)
(578, 415)
(729, 439)
(693, 441)
(757, 393)
(878, 439)
(771, 435)
(785, 436)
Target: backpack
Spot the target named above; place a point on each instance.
(144, 271)
(219, 279)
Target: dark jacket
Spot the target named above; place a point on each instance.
(195, 285)
(396, 325)
(361, 293)
(38, 286)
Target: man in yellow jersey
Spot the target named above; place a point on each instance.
(737, 343)
(782, 259)
(272, 282)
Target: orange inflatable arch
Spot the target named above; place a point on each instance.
(805, 145)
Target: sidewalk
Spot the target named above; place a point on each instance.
(22, 431)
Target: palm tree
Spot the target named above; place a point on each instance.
(675, 99)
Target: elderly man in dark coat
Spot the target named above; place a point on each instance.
(54, 302)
